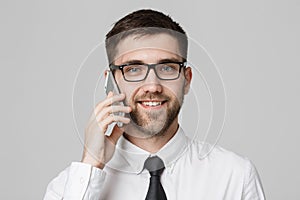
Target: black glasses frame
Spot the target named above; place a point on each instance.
(150, 66)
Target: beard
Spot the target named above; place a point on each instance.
(155, 122)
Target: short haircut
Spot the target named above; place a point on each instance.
(144, 22)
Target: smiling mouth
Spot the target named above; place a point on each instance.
(151, 103)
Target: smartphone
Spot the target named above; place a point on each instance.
(111, 85)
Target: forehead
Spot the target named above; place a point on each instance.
(148, 48)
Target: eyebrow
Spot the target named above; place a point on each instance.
(166, 60)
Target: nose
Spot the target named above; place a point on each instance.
(152, 83)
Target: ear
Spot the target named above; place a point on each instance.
(188, 78)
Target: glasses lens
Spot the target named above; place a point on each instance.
(135, 72)
(167, 70)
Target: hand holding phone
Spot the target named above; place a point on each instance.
(101, 133)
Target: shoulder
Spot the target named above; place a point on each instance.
(221, 154)
(220, 157)
(222, 162)
(222, 166)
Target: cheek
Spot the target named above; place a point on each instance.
(127, 89)
(176, 89)
(118, 76)
(123, 85)
(178, 94)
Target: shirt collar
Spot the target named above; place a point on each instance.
(130, 158)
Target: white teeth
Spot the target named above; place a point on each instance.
(151, 103)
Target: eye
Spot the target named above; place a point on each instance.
(132, 69)
(168, 68)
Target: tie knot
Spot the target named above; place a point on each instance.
(154, 165)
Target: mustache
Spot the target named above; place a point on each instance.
(151, 96)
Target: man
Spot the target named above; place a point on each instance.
(149, 157)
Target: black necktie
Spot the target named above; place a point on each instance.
(155, 166)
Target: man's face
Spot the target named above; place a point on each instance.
(155, 103)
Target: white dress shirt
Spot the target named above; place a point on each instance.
(221, 175)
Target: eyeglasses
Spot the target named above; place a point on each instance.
(139, 72)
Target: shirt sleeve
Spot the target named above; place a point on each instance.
(78, 181)
(253, 189)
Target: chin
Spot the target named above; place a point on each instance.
(154, 131)
(145, 131)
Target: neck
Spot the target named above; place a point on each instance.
(155, 143)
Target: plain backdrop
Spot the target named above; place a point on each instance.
(255, 45)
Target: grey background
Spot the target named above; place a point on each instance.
(254, 43)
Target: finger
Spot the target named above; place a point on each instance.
(116, 108)
(111, 110)
(115, 118)
(110, 119)
(113, 99)
(108, 101)
(99, 107)
(110, 94)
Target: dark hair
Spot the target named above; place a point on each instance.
(144, 22)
